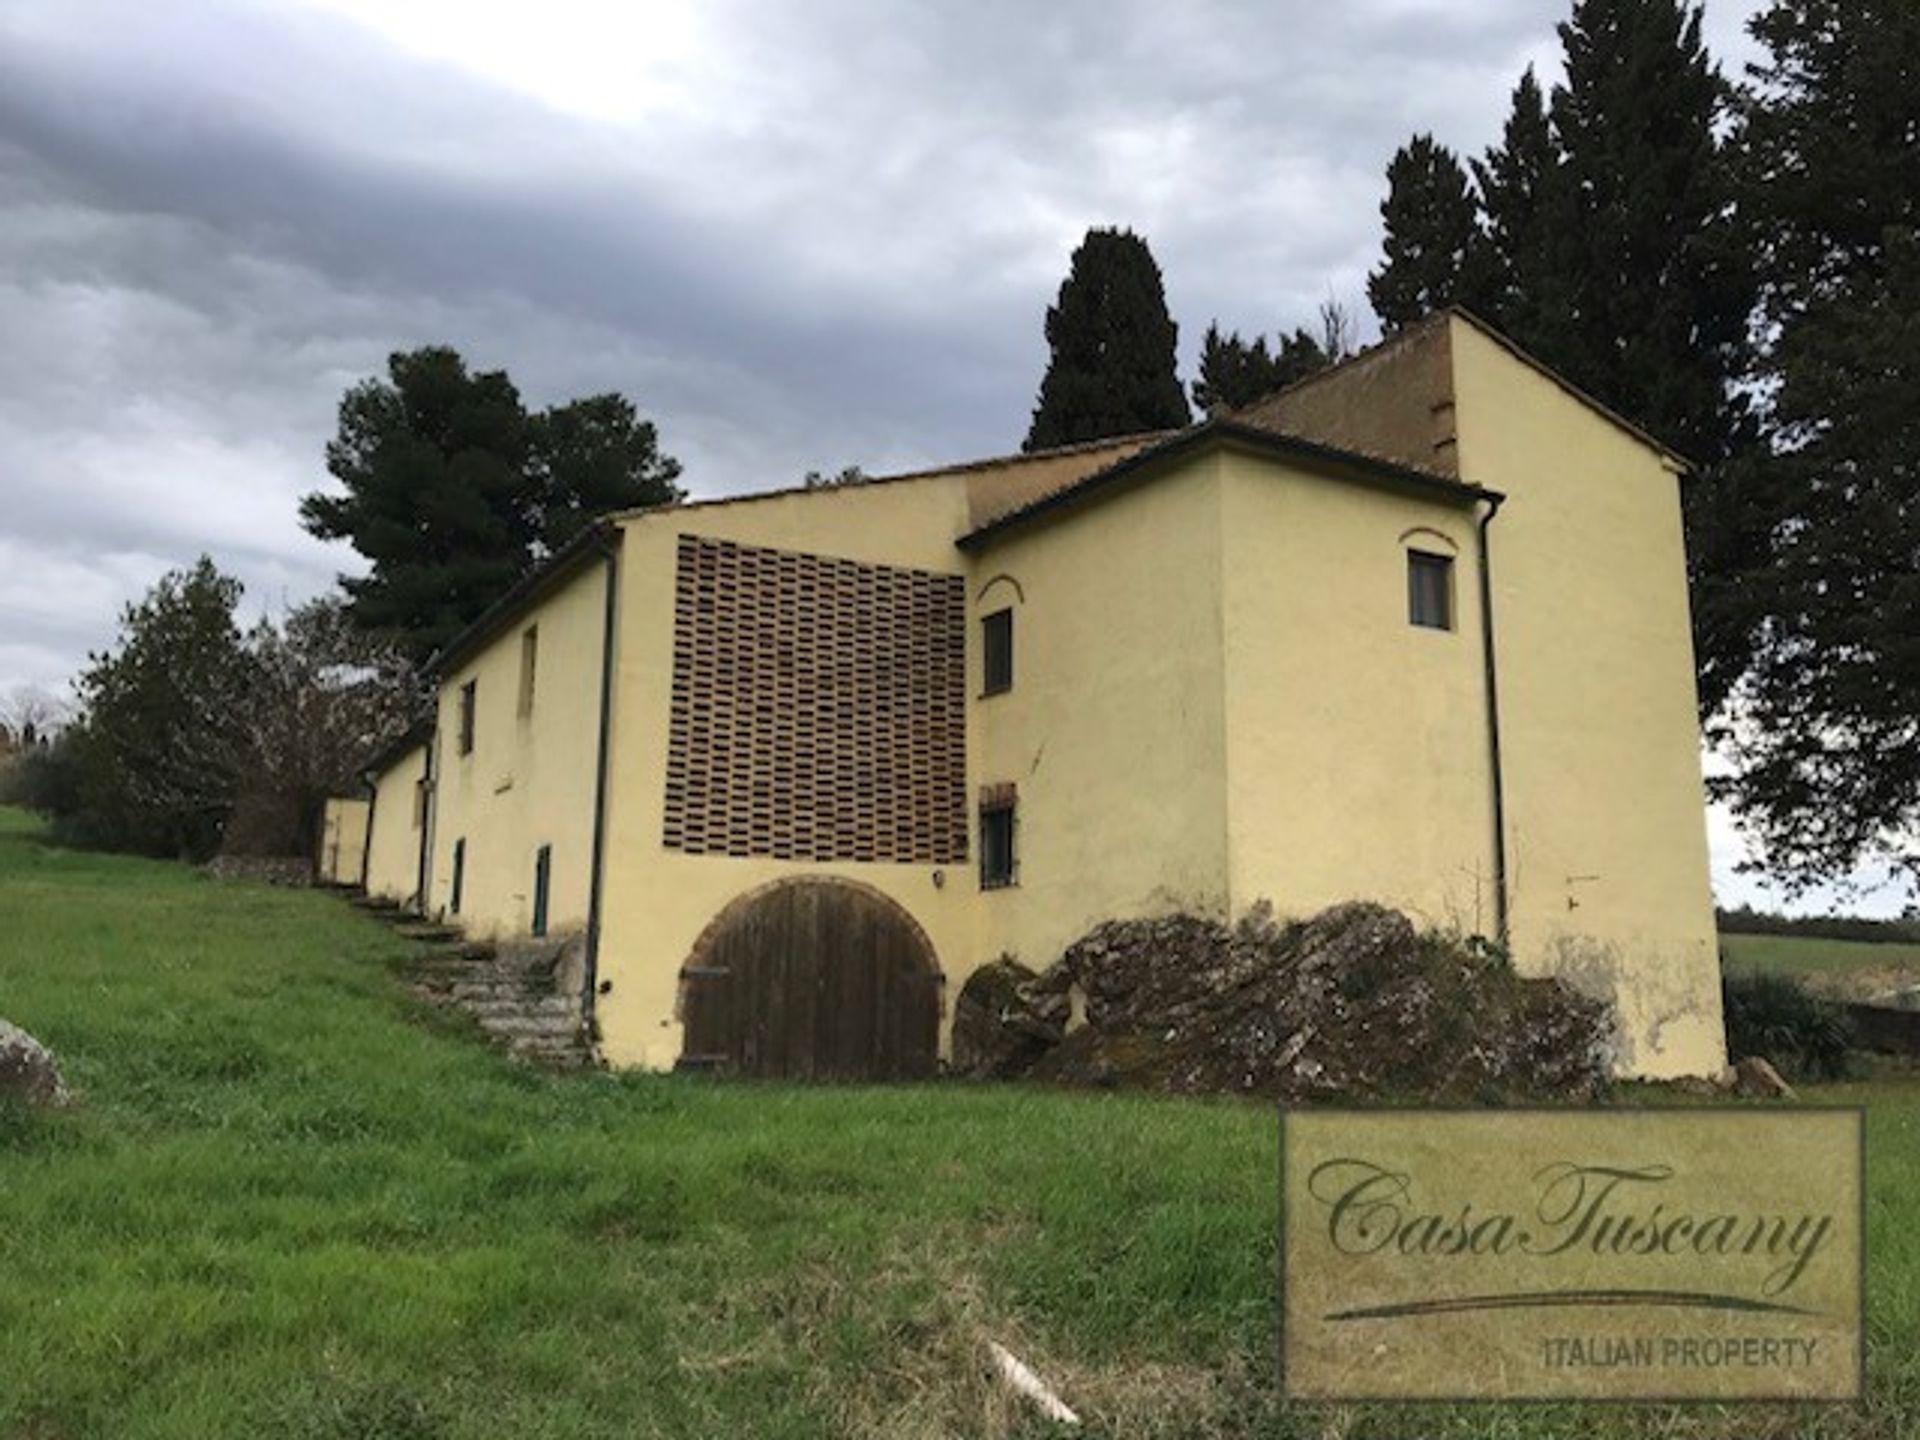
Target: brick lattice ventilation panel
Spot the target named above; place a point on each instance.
(819, 708)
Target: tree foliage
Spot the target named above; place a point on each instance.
(325, 695)
(1828, 739)
(1526, 196)
(845, 475)
(1660, 289)
(453, 490)
(30, 715)
(194, 737)
(1434, 247)
(587, 458)
(1236, 372)
(1648, 258)
(159, 752)
(1112, 368)
(1601, 234)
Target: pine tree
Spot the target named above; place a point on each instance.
(1829, 747)
(433, 460)
(453, 491)
(589, 457)
(1235, 373)
(1433, 241)
(1112, 369)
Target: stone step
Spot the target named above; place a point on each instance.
(426, 930)
(553, 1027)
(455, 967)
(561, 1006)
(514, 990)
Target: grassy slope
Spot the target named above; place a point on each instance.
(291, 1204)
(1801, 955)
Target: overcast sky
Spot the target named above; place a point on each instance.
(801, 236)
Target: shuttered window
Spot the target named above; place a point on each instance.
(542, 880)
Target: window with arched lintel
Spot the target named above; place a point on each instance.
(1425, 537)
(997, 599)
(1007, 586)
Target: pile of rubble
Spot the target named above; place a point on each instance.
(1350, 1003)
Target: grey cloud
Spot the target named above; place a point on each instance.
(213, 219)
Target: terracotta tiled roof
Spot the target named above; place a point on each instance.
(1194, 440)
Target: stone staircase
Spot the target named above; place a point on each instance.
(524, 994)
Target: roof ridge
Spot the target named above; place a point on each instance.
(958, 467)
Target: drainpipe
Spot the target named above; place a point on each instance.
(366, 840)
(1494, 502)
(610, 548)
(423, 868)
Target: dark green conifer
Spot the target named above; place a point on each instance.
(1112, 368)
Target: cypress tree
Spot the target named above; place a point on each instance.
(1829, 751)
(1525, 198)
(1648, 255)
(1433, 239)
(1235, 373)
(1648, 268)
(1112, 369)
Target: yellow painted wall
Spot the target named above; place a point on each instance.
(530, 779)
(1114, 731)
(656, 900)
(343, 840)
(1606, 822)
(393, 850)
(1218, 699)
(1357, 763)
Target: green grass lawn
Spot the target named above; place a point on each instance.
(291, 1203)
(1805, 955)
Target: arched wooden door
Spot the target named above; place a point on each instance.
(813, 980)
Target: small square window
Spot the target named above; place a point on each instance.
(996, 846)
(1430, 590)
(996, 645)
(467, 697)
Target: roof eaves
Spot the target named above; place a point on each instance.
(395, 750)
(594, 541)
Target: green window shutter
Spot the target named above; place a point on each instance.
(542, 879)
